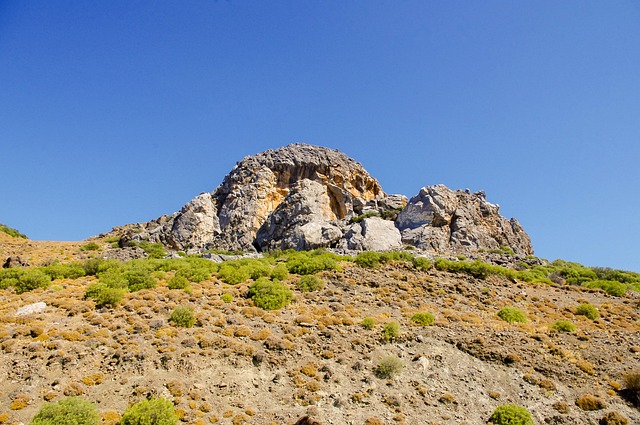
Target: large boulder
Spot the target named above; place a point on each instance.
(230, 217)
(442, 220)
(191, 228)
(371, 234)
(258, 184)
(302, 221)
(302, 197)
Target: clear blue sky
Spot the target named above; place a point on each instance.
(115, 112)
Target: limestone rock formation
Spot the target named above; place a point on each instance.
(194, 226)
(442, 220)
(301, 221)
(258, 184)
(372, 234)
(302, 197)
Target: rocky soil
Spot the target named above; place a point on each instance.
(241, 364)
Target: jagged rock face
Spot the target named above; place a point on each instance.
(258, 184)
(442, 220)
(193, 227)
(372, 234)
(302, 197)
(301, 221)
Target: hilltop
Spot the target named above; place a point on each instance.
(390, 310)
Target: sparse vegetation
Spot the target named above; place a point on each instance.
(361, 217)
(359, 309)
(310, 283)
(153, 250)
(91, 246)
(12, 232)
(563, 326)
(311, 262)
(613, 418)
(30, 280)
(68, 411)
(587, 310)
(388, 367)
(270, 295)
(182, 316)
(423, 318)
(178, 282)
(421, 263)
(512, 315)
(391, 331)
(590, 402)
(511, 414)
(156, 411)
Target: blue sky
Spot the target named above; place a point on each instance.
(121, 111)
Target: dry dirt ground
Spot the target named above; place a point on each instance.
(241, 364)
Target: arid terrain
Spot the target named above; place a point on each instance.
(243, 364)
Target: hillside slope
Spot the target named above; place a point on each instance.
(243, 364)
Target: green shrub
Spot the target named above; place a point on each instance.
(389, 256)
(270, 295)
(310, 283)
(91, 246)
(8, 282)
(510, 414)
(62, 271)
(92, 266)
(182, 316)
(153, 250)
(138, 279)
(258, 269)
(421, 263)
(32, 279)
(178, 282)
(12, 232)
(233, 274)
(9, 277)
(588, 310)
(512, 315)
(227, 297)
(105, 296)
(368, 259)
(157, 411)
(563, 326)
(113, 278)
(391, 331)
(388, 367)
(279, 272)
(312, 262)
(68, 411)
(611, 287)
(361, 217)
(368, 323)
(423, 318)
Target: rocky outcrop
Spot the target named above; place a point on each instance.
(302, 197)
(191, 228)
(258, 184)
(371, 234)
(15, 261)
(231, 216)
(302, 221)
(442, 220)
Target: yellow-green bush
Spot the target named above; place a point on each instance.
(69, 411)
(156, 411)
(270, 295)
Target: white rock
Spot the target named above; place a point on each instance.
(34, 308)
